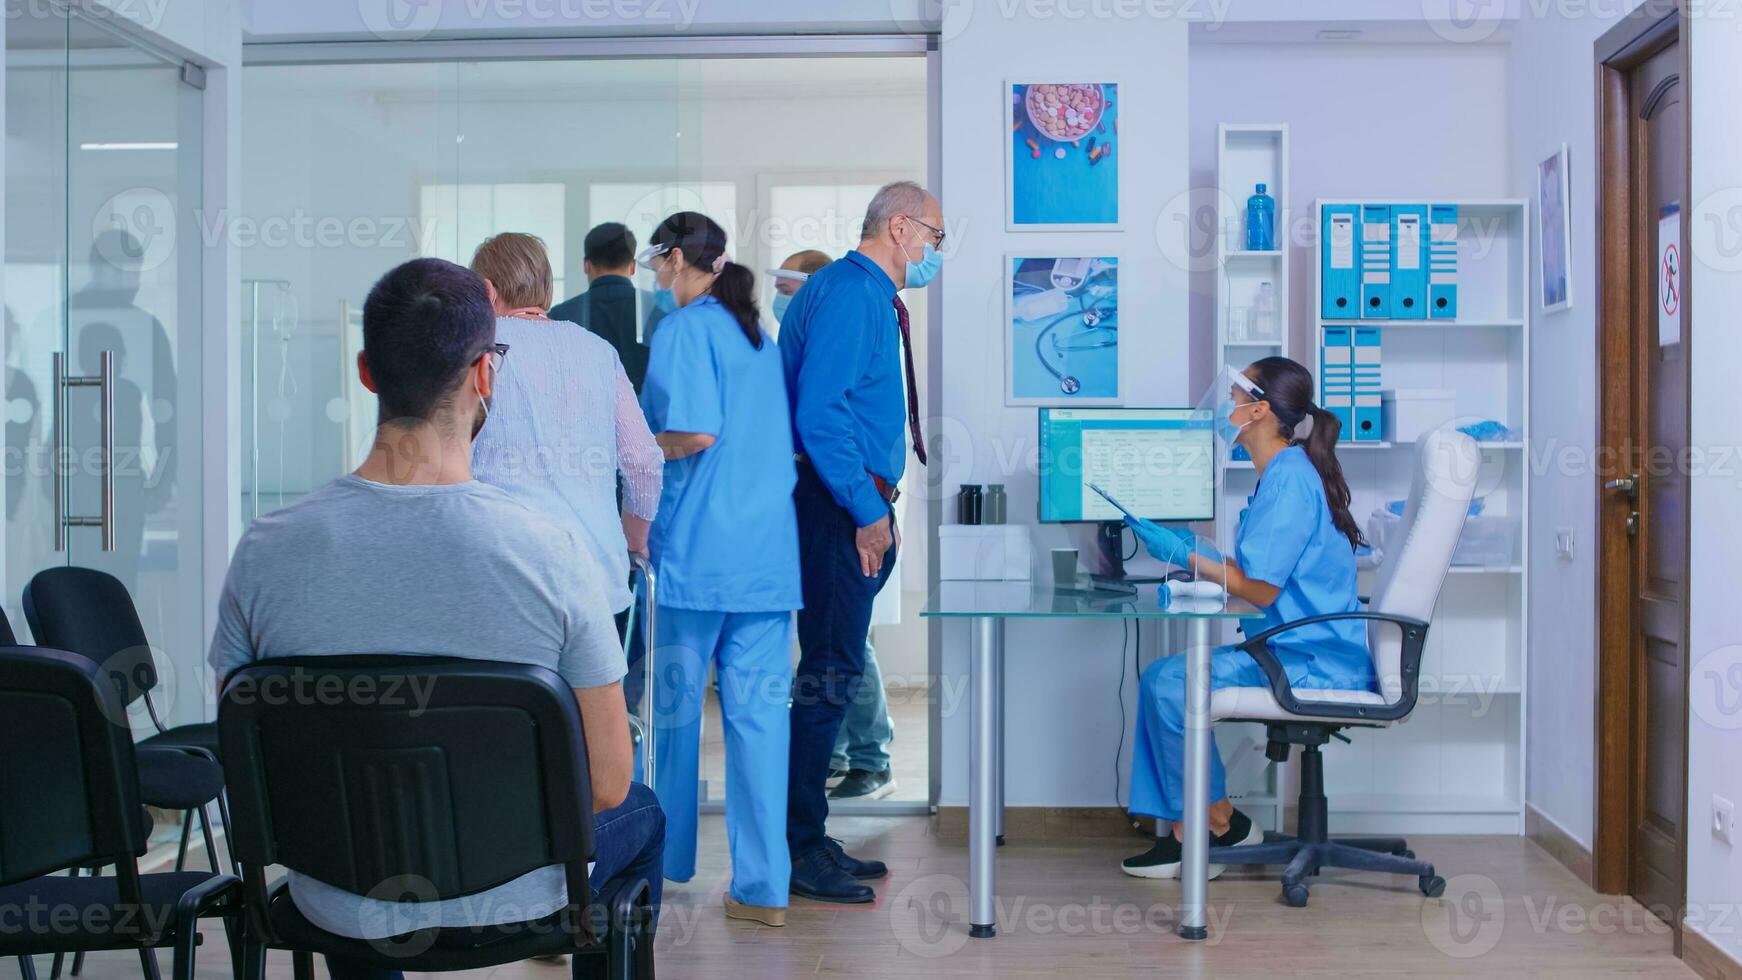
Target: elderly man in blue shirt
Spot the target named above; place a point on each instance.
(844, 341)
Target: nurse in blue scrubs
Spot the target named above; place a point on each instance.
(1294, 557)
(725, 546)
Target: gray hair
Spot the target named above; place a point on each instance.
(899, 197)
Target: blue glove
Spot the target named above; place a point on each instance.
(1168, 544)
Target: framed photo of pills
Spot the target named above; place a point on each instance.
(1061, 161)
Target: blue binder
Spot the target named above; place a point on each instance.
(1376, 261)
(1409, 237)
(1338, 243)
(1366, 380)
(1442, 262)
(1337, 375)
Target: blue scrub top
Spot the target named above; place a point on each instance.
(1287, 540)
(726, 537)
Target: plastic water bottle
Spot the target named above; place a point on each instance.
(1263, 326)
(1260, 222)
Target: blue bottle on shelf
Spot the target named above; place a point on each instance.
(1260, 222)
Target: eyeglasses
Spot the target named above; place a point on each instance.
(497, 353)
(937, 234)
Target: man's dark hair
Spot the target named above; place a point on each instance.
(424, 324)
(609, 246)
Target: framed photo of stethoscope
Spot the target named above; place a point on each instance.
(1061, 323)
(1060, 168)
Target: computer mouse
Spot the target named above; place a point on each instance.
(1181, 575)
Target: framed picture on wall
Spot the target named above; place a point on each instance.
(1061, 342)
(1061, 165)
(1555, 231)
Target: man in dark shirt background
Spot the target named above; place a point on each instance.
(612, 305)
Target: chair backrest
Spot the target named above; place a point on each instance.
(1414, 569)
(88, 612)
(408, 778)
(69, 791)
(7, 637)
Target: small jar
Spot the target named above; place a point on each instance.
(996, 503)
(968, 504)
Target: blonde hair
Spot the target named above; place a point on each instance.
(516, 264)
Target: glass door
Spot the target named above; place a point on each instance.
(103, 277)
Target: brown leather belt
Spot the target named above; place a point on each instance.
(889, 492)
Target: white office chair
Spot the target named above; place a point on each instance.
(1408, 585)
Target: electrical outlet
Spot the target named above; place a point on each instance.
(1563, 543)
(1723, 818)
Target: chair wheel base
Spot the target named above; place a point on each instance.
(982, 932)
(1433, 886)
(1295, 895)
(1194, 933)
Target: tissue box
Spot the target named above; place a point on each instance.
(1407, 414)
(985, 552)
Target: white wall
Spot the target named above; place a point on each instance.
(1714, 881)
(1555, 53)
(1062, 674)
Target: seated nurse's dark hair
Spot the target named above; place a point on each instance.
(424, 323)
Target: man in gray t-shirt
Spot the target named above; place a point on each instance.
(410, 555)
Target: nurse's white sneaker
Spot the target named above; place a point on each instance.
(765, 914)
(1163, 860)
(1241, 831)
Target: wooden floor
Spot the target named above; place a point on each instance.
(1510, 911)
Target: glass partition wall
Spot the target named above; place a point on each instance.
(102, 290)
(349, 169)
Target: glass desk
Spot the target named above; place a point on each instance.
(988, 605)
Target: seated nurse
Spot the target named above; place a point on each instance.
(725, 544)
(1294, 557)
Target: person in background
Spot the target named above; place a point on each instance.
(566, 424)
(859, 768)
(726, 549)
(842, 343)
(411, 555)
(612, 306)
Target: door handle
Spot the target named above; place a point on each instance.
(1632, 523)
(104, 382)
(1628, 484)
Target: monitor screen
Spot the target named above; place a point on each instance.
(1158, 462)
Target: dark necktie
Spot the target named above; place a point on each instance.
(912, 387)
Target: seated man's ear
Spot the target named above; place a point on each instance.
(490, 288)
(363, 372)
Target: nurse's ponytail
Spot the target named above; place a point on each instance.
(1288, 388)
(703, 243)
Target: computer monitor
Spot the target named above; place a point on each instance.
(1158, 462)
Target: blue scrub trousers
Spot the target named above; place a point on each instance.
(752, 653)
(1158, 758)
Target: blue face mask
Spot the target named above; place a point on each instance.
(920, 273)
(781, 302)
(1226, 429)
(665, 299)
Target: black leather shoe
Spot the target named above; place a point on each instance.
(817, 876)
(863, 870)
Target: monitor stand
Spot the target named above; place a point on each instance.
(1110, 535)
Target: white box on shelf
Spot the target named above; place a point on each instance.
(1407, 414)
(985, 552)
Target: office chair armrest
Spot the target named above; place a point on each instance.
(1414, 639)
(196, 901)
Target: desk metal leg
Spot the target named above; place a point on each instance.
(1195, 870)
(985, 745)
(998, 720)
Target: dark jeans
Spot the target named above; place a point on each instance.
(832, 628)
(629, 844)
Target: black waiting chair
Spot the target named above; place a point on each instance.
(69, 798)
(481, 783)
(88, 612)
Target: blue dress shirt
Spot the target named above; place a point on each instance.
(841, 346)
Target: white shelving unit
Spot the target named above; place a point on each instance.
(1248, 154)
(1457, 764)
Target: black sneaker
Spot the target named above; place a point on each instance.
(835, 777)
(1161, 861)
(863, 870)
(1241, 831)
(863, 784)
(816, 875)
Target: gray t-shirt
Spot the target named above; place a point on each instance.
(459, 570)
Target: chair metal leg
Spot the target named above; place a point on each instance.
(78, 962)
(211, 848)
(54, 967)
(148, 962)
(229, 839)
(302, 965)
(1270, 852)
(26, 968)
(187, 827)
(1336, 855)
(253, 959)
(1384, 845)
